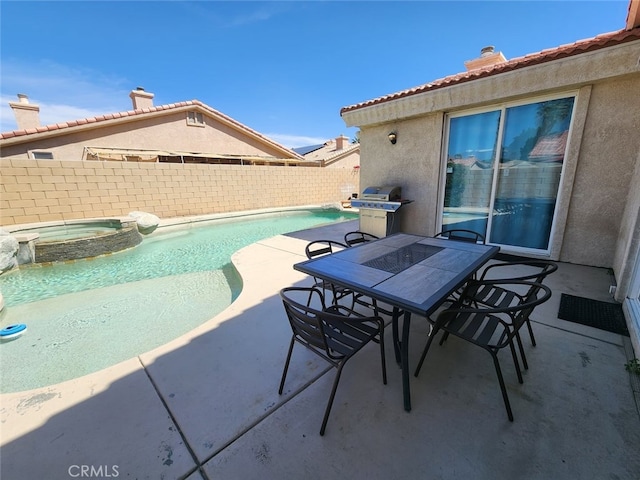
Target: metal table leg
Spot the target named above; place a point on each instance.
(396, 340)
(404, 351)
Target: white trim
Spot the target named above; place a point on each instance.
(41, 154)
(631, 307)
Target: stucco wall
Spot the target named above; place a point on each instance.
(606, 162)
(601, 157)
(413, 163)
(348, 161)
(48, 190)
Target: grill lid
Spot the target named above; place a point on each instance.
(385, 194)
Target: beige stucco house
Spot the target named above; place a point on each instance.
(184, 132)
(334, 153)
(174, 160)
(540, 153)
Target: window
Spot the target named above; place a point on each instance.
(40, 155)
(503, 171)
(195, 119)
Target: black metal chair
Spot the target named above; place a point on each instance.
(491, 328)
(358, 237)
(335, 333)
(461, 235)
(494, 296)
(318, 248)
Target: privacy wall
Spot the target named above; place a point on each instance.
(50, 190)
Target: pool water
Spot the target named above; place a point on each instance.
(86, 315)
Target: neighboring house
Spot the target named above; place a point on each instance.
(334, 153)
(184, 132)
(541, 153)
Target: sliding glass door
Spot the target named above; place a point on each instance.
(503, 172)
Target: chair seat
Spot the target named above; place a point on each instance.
(479, 328)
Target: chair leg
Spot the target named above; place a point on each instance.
(309, 299)
(503, 387)
(525, 365)
(432, 335)
(516, 363)
(286, 365)
(382, 354)
(331, 397)
(533, 339)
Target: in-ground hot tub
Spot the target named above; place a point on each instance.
(75, 239)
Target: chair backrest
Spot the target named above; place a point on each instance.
(358, 237)
(528, 270)
(305, 321)
(328, 334)
(535, 270)
(479, 323)
(318, 248)
(461, 235)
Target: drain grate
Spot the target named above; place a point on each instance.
(403, 258)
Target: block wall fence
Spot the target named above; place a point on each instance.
(538, 181)
(50, 190)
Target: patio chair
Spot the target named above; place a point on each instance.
(490, 328)
(461, 235)
(318, 248)
(492, 295)
(335, 334)
(358, 237)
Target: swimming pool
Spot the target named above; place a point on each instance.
(86, 315)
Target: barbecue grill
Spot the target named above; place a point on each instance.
(378, 208)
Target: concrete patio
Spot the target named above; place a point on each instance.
(206, 406)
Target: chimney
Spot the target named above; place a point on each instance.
(488, 57)
(27, 115)
(342, 142)
(141, 99)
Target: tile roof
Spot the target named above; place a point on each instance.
(582, 46)
(132, 114)
(552, 147)
(328, 152)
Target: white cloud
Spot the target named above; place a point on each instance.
(62, 93)
(295, 141)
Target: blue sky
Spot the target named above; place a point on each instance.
(284, 69)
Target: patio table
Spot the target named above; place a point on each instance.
(412, 273)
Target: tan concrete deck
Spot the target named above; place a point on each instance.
(206, 406)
